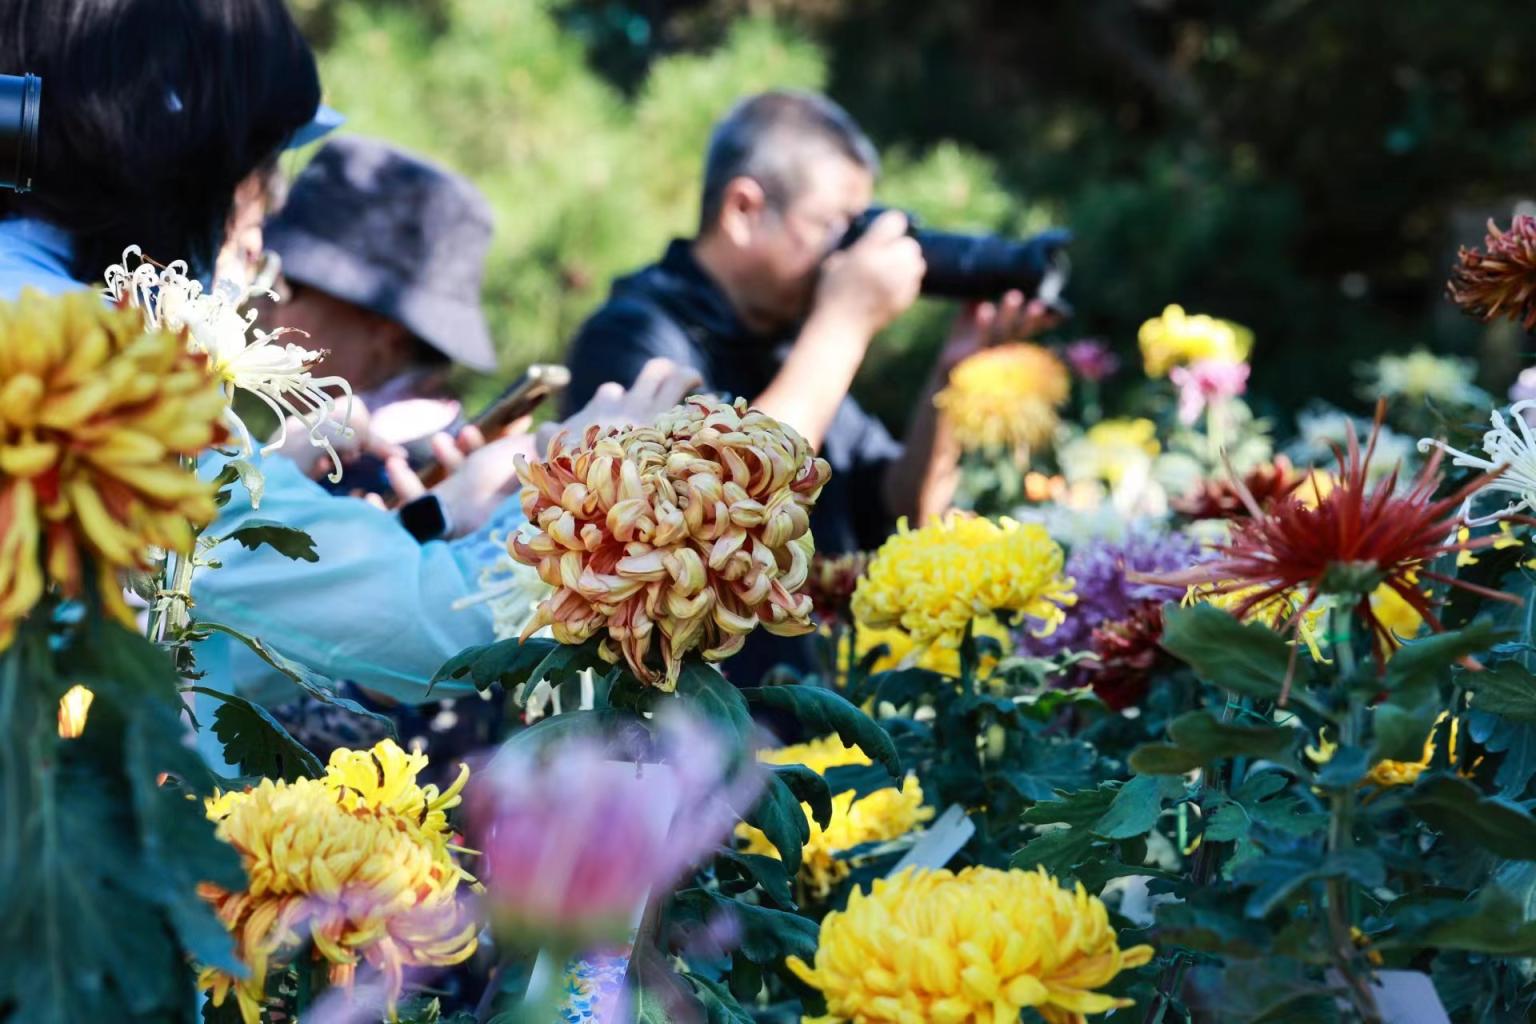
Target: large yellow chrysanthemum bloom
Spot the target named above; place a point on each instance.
(933, 947)
(1110, 449)
(692, 531)
(357, 862)
(96, 413)
(1005, 397)
(933, 580)
(902, 652)
(881, 816)
(1177, 339)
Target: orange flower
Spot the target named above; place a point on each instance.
(696, 528)
(96, 414)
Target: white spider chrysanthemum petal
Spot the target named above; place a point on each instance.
(1510, 448)
(280, 375)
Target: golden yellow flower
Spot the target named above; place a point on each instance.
(1396, 614)
(1109, 449)
(1177, 339)
(1005, 396)
(978, 947)
(357, 862)
(881, 816)
(902, 652)
(696, 529)
(96, 413)
(74, 707)
(932, 581)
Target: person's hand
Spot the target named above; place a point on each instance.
(660, 385)
(983, 324)
(480, 477)
(874, 280)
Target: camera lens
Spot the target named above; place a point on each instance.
(21, 98)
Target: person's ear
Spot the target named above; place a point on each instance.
(741, 210)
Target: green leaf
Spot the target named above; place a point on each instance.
(715, 699)
(1199, 738)
(860, 779)
(1136, 807)
(1276, 879)
(1415, 670)
(1507, 689)
(1494, 923)
(257, 742)
(1399, 731)
(769, 936)
(1247, 658)
(766, 873)
(719, 1003)
(1060, 850)
(779, 815)
(905, 686)
(1456, 807)
(809, 788)
(824, 711)
(285, 540)
(311, 682)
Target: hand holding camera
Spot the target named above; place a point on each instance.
(875, 279)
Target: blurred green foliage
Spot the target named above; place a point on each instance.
(1303, 168)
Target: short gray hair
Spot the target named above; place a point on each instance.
(770, 138)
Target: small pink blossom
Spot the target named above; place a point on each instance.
(1205, 383)
(1091, 359)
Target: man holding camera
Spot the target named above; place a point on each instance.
(769, 304)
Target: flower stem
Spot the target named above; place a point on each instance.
(968, 658)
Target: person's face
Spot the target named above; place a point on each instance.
(361, 346)
(785, 247)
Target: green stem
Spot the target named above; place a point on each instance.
(171, 611)
(968, 659)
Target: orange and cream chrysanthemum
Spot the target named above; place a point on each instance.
(96, 414)
(678, 536)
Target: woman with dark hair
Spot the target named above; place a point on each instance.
(153, 113)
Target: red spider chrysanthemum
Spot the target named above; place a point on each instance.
(1356, 539)
(1222, 498)
(1501, 280)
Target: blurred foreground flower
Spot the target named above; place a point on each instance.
(1092, 360)
(574, 842)
(358, 863)
(934, 580)
(96, 414)
(1510, 451)
(879, 817)
(1005, 397)
(1421, 375)
(1356, 539)
(1178, 339)
(1502, 280)
(980, 946)
(1112, 451)
(241, 357)
(1207, 382)
(696, 528)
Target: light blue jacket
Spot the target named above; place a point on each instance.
(376, 609)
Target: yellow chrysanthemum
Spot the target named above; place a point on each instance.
(1109, 449)
(933, 580)
(1177, 339)
(978, 947)
(879, 817)
(902, 652)
(1396, 614)
(96, 413)
(1421, 375)
(691, 531)
(1005, 397)
(357, 862)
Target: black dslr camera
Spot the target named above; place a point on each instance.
(21, 98)
(979, 267)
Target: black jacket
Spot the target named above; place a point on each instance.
(674, 310)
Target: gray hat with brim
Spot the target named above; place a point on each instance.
(386, 230)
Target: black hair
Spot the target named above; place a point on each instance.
(768, 138)
(153, 112)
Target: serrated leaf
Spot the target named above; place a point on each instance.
(256, 742)
(719, 1003)
(1456, 807)
(904, 686)
(1246, 658)
(860, 779)
(1135, 809)
(1416, 668)
(285, 540)
(769, 936)
(716, 700)
(1494, 922)
(780, 818)
(1507, 689)
(824, 711)
(1276, 879)
(809, 788)
(767, 873)
(1199, 738)
(311, 682)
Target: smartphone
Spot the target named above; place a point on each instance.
(539, 382)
